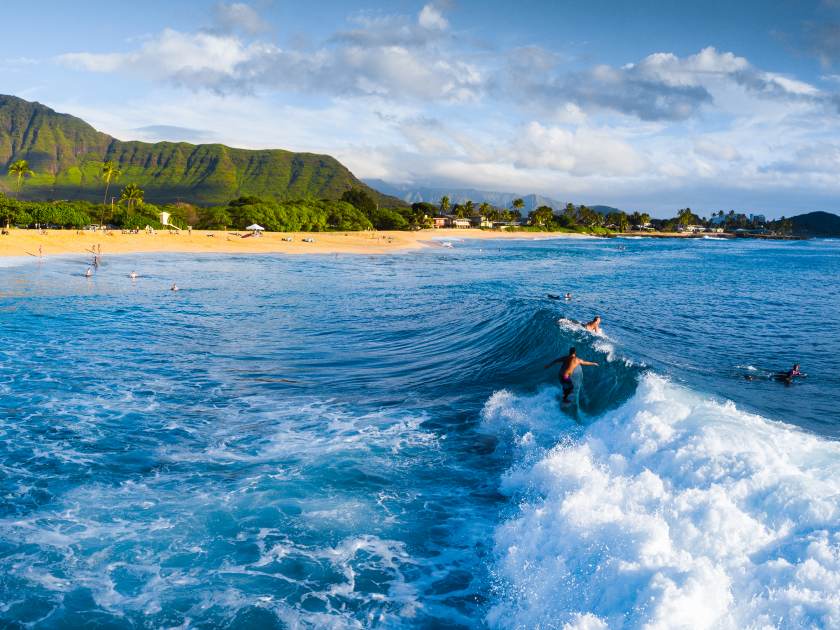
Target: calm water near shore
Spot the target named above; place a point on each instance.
(372, 441)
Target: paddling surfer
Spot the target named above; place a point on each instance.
(594, 325)
(787, 377)
(569, 364)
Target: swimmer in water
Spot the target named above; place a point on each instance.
(174, 287)
(569, 364)
(787, 377)
(568, 296)
(88, 273)
(594, 325)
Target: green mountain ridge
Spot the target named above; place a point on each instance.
(66, 154)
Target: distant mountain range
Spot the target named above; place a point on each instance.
(433, 194)
(66, 154)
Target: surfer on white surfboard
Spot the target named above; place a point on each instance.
(570, 363)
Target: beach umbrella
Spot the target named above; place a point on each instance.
(255, 228)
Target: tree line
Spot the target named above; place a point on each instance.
(356, 210)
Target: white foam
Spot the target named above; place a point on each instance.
(601, 341)
(674, 511)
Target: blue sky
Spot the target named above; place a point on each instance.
(644, 105)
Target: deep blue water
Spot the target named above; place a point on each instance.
(353, 441)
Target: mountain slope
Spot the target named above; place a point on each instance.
(66, 154)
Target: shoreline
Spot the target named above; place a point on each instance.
(26, 243)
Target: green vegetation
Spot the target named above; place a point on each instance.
(67, 157)
(20, 169)
(109, 173)
(302, 215)
(73, 214)
(810, 224)
(132, 195)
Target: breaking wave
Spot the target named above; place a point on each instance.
(672, 511)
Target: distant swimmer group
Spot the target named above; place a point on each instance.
(570, 363)
(95, 263)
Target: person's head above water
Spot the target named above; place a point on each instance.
(572, 352)
(597, 318)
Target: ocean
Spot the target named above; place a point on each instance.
(347, 441)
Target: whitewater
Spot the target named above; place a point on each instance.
(373, 442)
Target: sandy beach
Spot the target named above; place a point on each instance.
(63, 242)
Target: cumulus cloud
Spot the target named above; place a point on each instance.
(238, 16)
(387, 56)
(821, 158)
(660, 87)
(431, 18)
(716, 150)
(582, 151)
(180, 57)
(374, 30)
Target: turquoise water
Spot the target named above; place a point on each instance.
(352, 441)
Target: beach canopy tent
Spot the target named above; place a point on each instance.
(255, 228)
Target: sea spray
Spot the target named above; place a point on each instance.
(673, 511)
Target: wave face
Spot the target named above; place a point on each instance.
(374, 442)
(673, 511)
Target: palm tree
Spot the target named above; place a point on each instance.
(518, 204)
(109, 172)
(444, 204)
(484, 209)
(20, 169)
(131, 194)
(469, 207)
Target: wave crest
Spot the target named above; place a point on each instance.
(672, 511)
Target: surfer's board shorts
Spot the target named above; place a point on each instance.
(568, 386)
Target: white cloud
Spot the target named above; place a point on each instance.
(432, 19)
(716, 150)
(175, 56)
(692, 70)
(239, 16)
(383, 59)
(582, 152)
